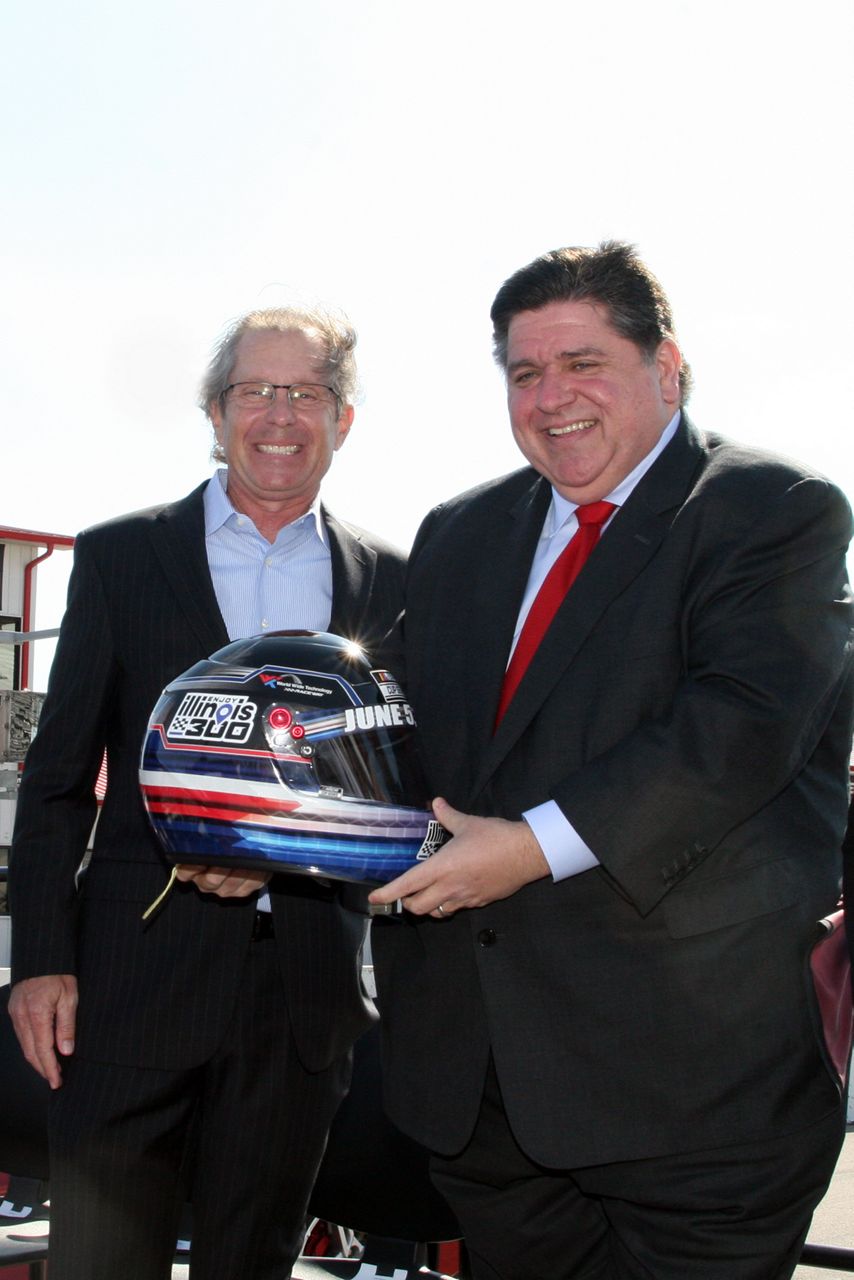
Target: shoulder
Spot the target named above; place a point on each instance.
(486, 502)
(352, 535)
(135, 524)
(726, 460)
(470, 519)
(500, 491)
(728, 456)
(739, 500)
(740, 474)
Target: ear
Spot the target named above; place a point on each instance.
(668, 362)
(345, 421)
(215, 415)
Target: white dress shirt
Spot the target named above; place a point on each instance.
(565, 851)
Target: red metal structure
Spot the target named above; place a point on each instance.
(33, 538)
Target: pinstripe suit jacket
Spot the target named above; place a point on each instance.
(690, 712)
(141, 610)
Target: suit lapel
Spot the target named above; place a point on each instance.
(353, 572)
(494, 597)
(178, 536)
(624, 551)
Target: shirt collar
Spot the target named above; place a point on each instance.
(561, 508)
(219, 509)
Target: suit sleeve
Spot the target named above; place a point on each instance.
(56, 805)
(766, 660)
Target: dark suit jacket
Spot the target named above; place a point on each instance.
(141, 610)
(690, 712)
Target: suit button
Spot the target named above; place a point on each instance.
(487, 937)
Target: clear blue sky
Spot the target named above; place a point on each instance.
(168, 166)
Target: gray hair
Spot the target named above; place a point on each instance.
(333, 328)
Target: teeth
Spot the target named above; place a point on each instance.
(278, 448)
(571, 427)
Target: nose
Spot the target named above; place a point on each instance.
(555, 389)
(281, 411)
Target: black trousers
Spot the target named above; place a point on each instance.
(241, 1136)
(734, 1213)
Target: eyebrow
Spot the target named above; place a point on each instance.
(562, 355)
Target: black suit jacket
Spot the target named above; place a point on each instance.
(690, 712)
(160, 993)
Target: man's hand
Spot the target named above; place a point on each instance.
(226, 882)
(44, 1015)
(488, 859)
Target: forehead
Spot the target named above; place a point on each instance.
(266, 353)
(561, 328)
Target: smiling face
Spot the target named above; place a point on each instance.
(277, 455)
(586, 405)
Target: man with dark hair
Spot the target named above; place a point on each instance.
(613, 277)
(630, 664)
(200, 1053)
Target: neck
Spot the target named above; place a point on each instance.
(269, 517)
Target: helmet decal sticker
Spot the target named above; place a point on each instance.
(213, 717)
(388, 686)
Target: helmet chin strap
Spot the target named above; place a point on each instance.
(161, 897)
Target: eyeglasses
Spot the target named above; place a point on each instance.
(260, 395)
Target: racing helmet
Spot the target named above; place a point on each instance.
(289, 752)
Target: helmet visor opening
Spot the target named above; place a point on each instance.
(376, 765)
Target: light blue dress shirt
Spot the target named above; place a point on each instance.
(262, 586)
(565, 851)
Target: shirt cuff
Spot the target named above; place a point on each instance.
(564, 850)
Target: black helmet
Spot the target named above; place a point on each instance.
(288, 752)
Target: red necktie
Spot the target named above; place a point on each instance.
(557, 582)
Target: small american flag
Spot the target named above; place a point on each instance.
(101, 781)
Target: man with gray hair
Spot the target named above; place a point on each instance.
(201, 1054)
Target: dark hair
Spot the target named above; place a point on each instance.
(611, 275)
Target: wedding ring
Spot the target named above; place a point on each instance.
(440, 910)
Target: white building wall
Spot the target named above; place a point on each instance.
(16, 557)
